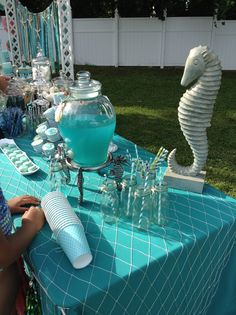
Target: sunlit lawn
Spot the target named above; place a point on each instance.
(146, 101)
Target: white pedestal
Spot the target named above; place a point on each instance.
(182, 182)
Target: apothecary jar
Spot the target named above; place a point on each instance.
(86, 120)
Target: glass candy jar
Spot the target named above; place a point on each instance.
(127, 196)
(109, 205)
(160, 204)
(86, 120)
(142, 207)
(41, 67)
(62, 83)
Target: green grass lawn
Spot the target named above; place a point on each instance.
(146, 101)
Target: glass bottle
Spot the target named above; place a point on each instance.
(160, 203)
(57, 178)
(142, 207)
(109, 205)
(86, 120)
(127, 196)
(146, 178)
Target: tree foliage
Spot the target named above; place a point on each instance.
(226, 9)
(92, 8)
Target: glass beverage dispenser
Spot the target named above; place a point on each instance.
(86, 120)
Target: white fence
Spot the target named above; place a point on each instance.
(149, 41)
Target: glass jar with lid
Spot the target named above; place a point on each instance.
(86, 120)
(41, 67)
(62, 83)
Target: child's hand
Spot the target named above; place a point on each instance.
(33, 218)
(3, 83)
(16, 205)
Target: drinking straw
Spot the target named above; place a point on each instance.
(143, 198)
(160, 177)
(157, 157)
(129, 193)
(129, 157)
(136, 151)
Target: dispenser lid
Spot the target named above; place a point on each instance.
(85, 86)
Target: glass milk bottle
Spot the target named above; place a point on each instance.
(86, 120)
(109, 205)
(160, 203)
(127, 196)
(142, 207)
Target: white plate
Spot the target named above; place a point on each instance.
(21, 154)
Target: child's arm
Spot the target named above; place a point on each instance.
(11, 247)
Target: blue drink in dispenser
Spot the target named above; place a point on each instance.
(87, 122)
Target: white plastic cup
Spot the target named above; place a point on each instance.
(73, 241)
(58, 211)
(67, 228)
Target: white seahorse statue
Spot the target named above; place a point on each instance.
(196, 106)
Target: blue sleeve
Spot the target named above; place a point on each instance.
(5, 216)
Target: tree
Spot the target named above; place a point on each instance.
(92, 8)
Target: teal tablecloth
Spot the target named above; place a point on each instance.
(167, 271)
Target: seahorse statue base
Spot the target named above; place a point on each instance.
(184, 182)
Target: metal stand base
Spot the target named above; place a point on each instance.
(80, 178)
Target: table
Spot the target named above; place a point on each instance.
(166, 271)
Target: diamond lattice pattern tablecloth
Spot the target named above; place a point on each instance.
(166, 271)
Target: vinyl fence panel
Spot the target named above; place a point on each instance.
(150, 41)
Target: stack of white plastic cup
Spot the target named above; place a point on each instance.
(67, 228)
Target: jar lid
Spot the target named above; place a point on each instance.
(84, 86)
(62, 80)
(40, 58)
